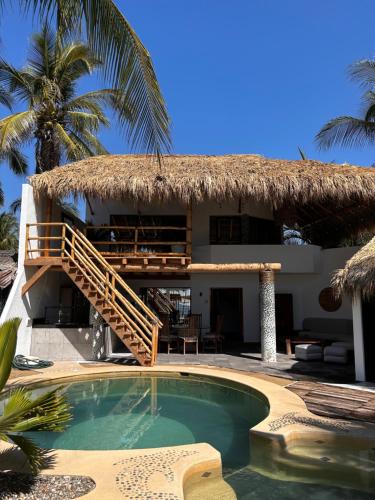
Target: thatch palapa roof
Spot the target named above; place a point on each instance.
(299, 191)
(140, 177)
(358, 274)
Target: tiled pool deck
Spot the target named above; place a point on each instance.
(286, 366)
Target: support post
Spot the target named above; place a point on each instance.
(359, 348)
(267, 314)
(48, 228)
(189, 229)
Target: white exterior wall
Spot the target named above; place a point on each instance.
(306, 269)
(62, 344)
(43, 293)
(305, 289)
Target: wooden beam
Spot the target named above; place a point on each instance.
(43, 261)
(232, 268)
(35, 278)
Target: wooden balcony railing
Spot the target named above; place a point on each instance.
(140, 240)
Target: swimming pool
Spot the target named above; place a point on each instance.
(158, 410)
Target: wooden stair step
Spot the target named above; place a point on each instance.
(95, 294)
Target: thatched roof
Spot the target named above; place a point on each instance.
(299, 191)
(358, 274)
(199, 177)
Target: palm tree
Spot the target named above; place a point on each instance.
(62, 124)
(349, 131)
(22, 413)
(127, 65)
(8, 231)
(13, 157)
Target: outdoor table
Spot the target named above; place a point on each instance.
(290, 341)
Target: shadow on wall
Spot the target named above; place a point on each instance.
(62, 344)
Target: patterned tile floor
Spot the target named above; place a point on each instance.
(286, 367)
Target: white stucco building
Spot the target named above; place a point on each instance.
(198, 229)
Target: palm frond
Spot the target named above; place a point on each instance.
(47, 412)
(15, 206)
(70, 147)
(126, 64)
(16, 128)
(302, 153)
(89, 143)
(69, 208)
(42, 54)
(346, 131)
(8, 232)
(6, 98)
(80, 120)
(363, 71)
(38, 458)
(2, 199)
(8, 342)
(18, 83)
(73, 62)
(16, 160)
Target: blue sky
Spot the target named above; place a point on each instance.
(240, 76)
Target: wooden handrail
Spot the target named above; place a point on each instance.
(75, 246)
(110, 269)
(123, 316)
(123, 284)
(101, 285)
(132, 228)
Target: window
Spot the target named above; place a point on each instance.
(243, 230)
(225, 230)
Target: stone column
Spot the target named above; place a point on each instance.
(98, 335)
(267, 315)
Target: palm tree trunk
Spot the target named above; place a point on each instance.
(47, 154)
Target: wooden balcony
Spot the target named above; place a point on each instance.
(128, 249)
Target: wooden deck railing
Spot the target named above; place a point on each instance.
(137, 240)
(72, 245)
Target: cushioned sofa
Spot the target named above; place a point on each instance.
(327, 329)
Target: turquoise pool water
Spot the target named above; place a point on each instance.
(149, 412)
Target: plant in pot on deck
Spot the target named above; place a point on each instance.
(21, 412)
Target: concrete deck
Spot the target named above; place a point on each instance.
(285, 367)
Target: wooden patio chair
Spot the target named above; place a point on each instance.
(214, 340)
(190, 334)
(165, 336)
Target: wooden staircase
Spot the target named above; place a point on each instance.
(129, 318)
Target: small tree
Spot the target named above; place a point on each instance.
(22, 413)
(8, 232)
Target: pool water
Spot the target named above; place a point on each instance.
(151, 412)
(157, 411)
